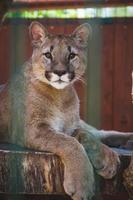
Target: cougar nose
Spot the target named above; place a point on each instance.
(59, 72)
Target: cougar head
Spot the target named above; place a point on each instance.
(58, 60)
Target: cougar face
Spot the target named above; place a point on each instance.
(58, 60)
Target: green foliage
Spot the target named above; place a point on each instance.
(126, 11)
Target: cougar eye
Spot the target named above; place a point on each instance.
(71, 56)
(48, 55)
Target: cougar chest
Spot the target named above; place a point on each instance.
(64, 122)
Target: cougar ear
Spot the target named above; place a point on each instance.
(81, 34)
(37, 32)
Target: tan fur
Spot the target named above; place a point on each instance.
(47, 118)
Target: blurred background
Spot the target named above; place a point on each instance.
(106, 95)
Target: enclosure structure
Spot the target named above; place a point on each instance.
(106, 100)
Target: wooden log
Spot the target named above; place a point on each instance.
(29, 172)
(24, 171)
(128, 179)
(115, 187)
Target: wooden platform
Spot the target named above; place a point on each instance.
(27, 172)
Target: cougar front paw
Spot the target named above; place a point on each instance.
(79, 184)
(110, 163)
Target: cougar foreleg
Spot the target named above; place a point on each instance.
(104, 160)
(78, 171)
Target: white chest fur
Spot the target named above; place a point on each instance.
(63, 123)
(57, 123)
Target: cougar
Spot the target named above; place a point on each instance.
(39, 109)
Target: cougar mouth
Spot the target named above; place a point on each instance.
(59, 80)
(59, 84)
